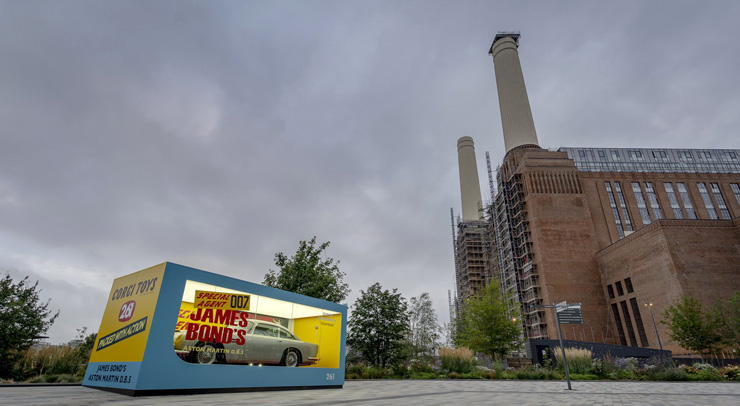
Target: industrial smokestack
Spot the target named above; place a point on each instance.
(469, 183)
(516, 115)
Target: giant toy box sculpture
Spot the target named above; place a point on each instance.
(174, 329)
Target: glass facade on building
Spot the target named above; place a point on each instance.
(673, 198)
(736, 191)
(641, 203)
(721, 205)
(707, 201)
(686, 199)
(655, 160)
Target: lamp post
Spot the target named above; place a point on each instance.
(649, 305)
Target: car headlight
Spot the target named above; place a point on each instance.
(178, 340)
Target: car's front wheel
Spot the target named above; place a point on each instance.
(206, 354)
(292, 358)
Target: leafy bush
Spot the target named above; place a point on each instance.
(667, 374)
(373, 372)
(459, 360)
(423, 375)
(22, 317)
(420, 366)
(498, 370)
(480, 373)
(702, 372)
(529, 372)
(61, 378)
(400, 371)
(599, 367)
(665, 371)
(731, 373)
(362, 371)
(707, 372)
(584, 377)
(353, 371)
(37, 379)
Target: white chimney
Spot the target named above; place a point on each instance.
(469, 183)
(516, 115)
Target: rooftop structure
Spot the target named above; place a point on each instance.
(654, 160)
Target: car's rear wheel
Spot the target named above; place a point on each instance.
(206, 354)
(292, 358)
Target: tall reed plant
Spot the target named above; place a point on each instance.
(579, 360)
(460, 360)
(49, 360)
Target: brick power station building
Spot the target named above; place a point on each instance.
(624, 231)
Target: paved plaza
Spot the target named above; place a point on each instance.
(430, 392)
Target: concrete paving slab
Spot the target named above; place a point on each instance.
(411, 393)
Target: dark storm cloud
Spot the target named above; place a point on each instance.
(215, 134)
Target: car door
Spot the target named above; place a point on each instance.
(238, 353)
(263, 345)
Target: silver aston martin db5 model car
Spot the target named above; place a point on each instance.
(259, 342)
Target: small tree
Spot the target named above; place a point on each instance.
(308, 274)
(83, 349)
(726, 317)
(689, 327)
(424, 328)
(22, 318)
(378, 325)
(486, 325)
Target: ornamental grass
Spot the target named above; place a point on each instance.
(460, 360)
(579, 360)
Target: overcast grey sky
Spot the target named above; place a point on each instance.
(214, 134)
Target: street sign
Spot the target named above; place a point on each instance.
(561, 307)
(570, 316)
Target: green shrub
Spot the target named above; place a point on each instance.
(420, 366)
(529, 372)
(622, 374)
(364, 371)
(361, 371)
(598, 367)
(59, 378)
(400, 371)
(37, 379)
(423, 375)
(354, 370)
(459, 360)
(617, 368)
(498, 369)
(708, 372)
(372, 372)
(702, 372)
(480, 373)
(584, 377)
(731, 372)
(669, 374)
